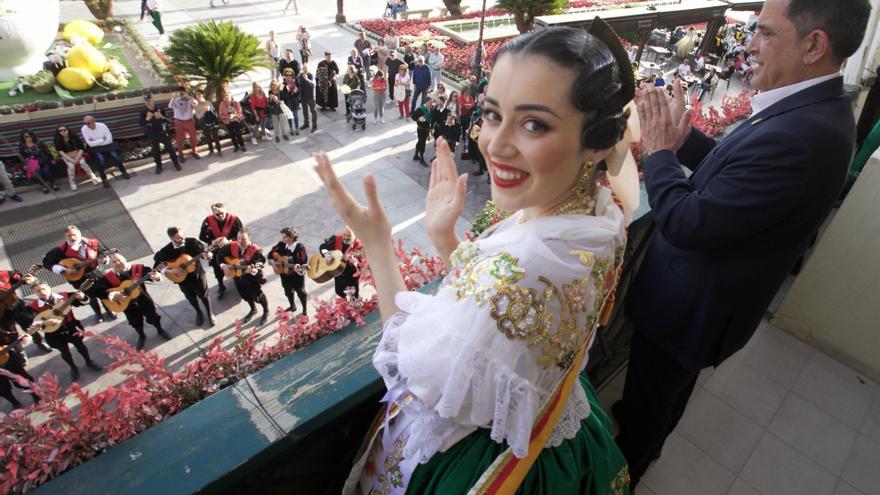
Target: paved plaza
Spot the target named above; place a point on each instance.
(779, 418)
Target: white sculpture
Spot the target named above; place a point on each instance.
(27, 30)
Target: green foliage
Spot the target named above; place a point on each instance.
(525, 11)
(485, 218)
(215, 53)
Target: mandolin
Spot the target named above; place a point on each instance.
(236, 267)
(129, 290)
(320, 271)
(80, 267)
(283, 265)
(8, 297)
(51, 319)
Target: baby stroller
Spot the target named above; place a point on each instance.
(358, 115)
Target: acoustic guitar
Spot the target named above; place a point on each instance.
(320, 271)
(185, 263)
(236, 267)
(8, 297)
(129, 290)
(51, 319)
(80, 267)
(4, 349)
(283, 265)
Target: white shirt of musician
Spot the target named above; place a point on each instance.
(80, 247)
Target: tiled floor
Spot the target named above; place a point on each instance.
(778, 418)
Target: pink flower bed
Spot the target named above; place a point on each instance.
(31, 453)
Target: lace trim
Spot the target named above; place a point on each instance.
(514, 407)
(577, 409)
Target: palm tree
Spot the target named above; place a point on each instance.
(454, 7)
(216, 53)
(525, 11)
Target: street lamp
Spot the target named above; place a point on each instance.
(340, 15)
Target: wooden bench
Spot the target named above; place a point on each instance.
(421, 13)
(444, 12)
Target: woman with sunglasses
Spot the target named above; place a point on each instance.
(32, 151)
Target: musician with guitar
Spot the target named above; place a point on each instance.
(54, 316)
(12, 309)
(289, 260)
(75, 258)
(243, 262)
(218, 229)
(182, 258)
(12, 360)
(122, 287)
(350, 277)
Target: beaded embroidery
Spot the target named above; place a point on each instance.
(481, 276)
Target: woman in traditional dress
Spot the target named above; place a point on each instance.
(484, 384)
(326, 76)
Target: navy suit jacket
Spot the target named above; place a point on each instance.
(728, 235)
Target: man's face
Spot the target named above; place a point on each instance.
(244, 240)
(778, 52)
(286, 239)
(289, 55)
(327, 57)
(90, 122)
(43, 291)
(117, 261)
(178, 238)
(73, 236)
(219, 213)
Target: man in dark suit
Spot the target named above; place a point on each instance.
(728, 235)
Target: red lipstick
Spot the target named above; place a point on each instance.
(506, 170)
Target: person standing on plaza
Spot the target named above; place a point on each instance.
(466, 105)
(232, 117)
(304, 38)
(259, 106)
(99, 139)
(208, 121)
(382, 54)
(435, 62)
(154, 8)
(290, 97)
(409, 58)
(424, 124)
(70, 150)
(276, 113)
(297, 257)
(193, 286)
(155, 123)
(729, 234)
(288, 62)
(393, 65)
(421, 80)
(184, 123)
(392, 41)
(306, 84)
(357, 61)
(37, 159)
(248, 282)
(295, 8)
(273, 49)
(379, 85)
(364, 47)
(326, 74)
(354, 80)
(8, 188)
(402, 91)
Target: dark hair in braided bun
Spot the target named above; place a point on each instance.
(602, 86)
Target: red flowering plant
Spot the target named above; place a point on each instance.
(43, 441)
(713, 122)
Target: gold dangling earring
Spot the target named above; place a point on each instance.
(583, 186)
(582, 202)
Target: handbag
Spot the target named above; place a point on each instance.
(31, 168)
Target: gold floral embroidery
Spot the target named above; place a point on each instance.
(620, 483)
(481, 276)
(464, 252)
(531, 315)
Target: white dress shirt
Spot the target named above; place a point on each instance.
(766, 99)
(99, 136)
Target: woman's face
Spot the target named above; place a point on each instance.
(63, 132)
(28, 139)
(531, 137)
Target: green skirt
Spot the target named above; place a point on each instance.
(589, 463)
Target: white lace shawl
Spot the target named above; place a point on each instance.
(450, 353)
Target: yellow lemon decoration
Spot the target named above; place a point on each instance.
(85, 56)
(76, 79)
(83, 29)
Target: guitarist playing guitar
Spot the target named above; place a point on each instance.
(183, 256)
(294, 253)
(12, 360)
(350, 277)
(217, 229)
(247, 281)
(12, 308)
(78, 248)
(71, 330)
(138, 309)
